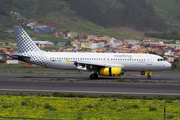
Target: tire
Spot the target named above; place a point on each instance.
(92, 76)
(95, 76)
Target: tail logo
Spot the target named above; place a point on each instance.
(23, 36)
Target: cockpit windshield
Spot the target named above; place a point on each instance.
(160, 59)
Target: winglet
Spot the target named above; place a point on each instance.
(68, 61)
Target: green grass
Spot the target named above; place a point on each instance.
(3, 41)
(173, 70)
(102, 31)
(83, 106)
(9, 47)
(34, 72)
(51, 38)
(57, 48)
(20, 65)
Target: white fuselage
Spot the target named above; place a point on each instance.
(127, 61)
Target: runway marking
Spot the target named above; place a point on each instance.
(66, 91)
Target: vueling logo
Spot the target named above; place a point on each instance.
(129, 56)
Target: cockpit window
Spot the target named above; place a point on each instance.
(161, 59)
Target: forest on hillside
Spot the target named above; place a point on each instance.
(136, 14)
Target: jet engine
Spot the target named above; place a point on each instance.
(110, 71)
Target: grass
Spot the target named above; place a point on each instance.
(20, 65)
(34, 72)
(102, 31)
(51, 38)
(9, 47)
(173, 70)
(72, 106)
(56, 48)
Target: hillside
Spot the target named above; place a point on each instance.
(116, 18)
(136, 14)
(167, 9)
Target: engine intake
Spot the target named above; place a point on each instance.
(110, 71)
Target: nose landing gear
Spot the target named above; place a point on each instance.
(148, 73)
(148, 77)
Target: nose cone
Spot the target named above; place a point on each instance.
(168, 65)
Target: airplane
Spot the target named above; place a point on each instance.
(103, 64)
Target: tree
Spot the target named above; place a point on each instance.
(68, 43)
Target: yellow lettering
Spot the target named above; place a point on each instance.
(137, 56)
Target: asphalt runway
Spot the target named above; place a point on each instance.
(75, 83)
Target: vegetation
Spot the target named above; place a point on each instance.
(34, 72)
(166, 9)
(68, 106)
(20, 65)
(164, 35)
(50, 38)
(134, 14)
(89, 18)
(96, 17)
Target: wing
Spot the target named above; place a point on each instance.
(94, 64)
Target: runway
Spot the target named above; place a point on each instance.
(72, 83)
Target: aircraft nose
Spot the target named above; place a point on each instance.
(168, 66)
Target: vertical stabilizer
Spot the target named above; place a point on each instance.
(24, 42)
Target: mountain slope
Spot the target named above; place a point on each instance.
(92, 16)
(167, 9)
(136, 14)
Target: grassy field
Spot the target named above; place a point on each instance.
(20, 65)
(9, 47)
(87, 108)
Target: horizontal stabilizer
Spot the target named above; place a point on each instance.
(18, 55)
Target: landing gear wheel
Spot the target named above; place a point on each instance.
(93, 76)
(149, 77)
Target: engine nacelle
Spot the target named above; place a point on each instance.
(111, 71)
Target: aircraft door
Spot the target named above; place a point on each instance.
(149, 60)
(105, 60)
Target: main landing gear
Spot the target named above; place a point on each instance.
(94, 76)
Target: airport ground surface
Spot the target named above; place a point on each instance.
(165, 83)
